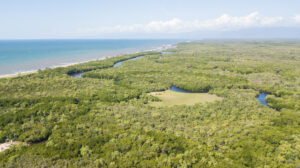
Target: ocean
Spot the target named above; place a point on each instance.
(17, 56)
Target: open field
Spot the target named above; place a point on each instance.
(170, 98)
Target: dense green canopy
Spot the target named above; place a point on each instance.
(104, 119)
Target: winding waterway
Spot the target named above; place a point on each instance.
(261, 97)
(130, 59)
(79, 75)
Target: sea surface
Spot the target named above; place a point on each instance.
(17, 56)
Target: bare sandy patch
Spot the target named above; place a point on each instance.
(7, 145)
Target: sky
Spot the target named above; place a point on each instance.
(64, 19)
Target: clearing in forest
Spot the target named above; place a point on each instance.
(170, 98)
(7, 145)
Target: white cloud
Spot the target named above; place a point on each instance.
(222, 23)
(296, 18)
(227, 22)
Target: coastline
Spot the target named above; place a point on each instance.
(17, 74)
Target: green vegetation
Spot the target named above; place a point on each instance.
(105, 119)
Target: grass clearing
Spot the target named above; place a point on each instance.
(170, 98)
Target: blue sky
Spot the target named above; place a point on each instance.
(34, 19)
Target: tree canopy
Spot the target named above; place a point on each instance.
(105, 119)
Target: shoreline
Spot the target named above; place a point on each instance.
(17, 74)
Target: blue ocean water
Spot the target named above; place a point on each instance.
(26, 55)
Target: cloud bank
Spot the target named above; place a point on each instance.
(223, 23)
(296, 18)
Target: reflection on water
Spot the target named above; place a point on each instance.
(77, 75)
(262, 99)
(176, 89)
